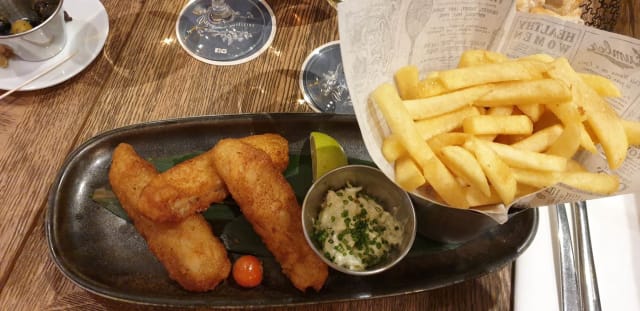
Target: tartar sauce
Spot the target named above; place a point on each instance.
(354, 231)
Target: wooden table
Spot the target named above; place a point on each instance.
(143, 75)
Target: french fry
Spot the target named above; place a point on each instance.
(493, 124)
(592, 135)
(509, 139)
(538, 179)
(545, 58)
(525, 93)
(598, 183)
(406, 79)
(480, 57)
(497, 171)
(527, 159)
(458, 78)
(444, 123)
(472, 58)
(575, 166)
(540, 140)
(392, 148)
(566, 145)
(548, 118)
(436, 174)
(477, 198)
(603, 86)
(534, 111)
(439, 141)
(601, 118)
(632, 129)
(431, 86)
(444, 183)
(441, 104)
(408, 174)
(388, 100)
(568, 113)
(496, 111)
(433, 75)
(500, 111)
(464, 165)
(606, 125)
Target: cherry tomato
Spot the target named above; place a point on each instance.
(247, 271)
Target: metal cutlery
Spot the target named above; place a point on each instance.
(584, 258)
(579, 285)
(570, 298)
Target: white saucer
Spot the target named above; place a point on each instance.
(86, 33)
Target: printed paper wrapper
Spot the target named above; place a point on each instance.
(377, 37)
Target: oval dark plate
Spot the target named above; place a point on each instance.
(103, 253)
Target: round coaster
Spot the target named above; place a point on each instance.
(322, 80)
(245, 33)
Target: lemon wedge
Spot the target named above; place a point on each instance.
(326, 154)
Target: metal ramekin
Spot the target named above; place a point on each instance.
(40, 43)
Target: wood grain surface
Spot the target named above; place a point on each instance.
(142, 75)
(629, 20)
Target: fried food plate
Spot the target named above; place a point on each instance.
(105, 255)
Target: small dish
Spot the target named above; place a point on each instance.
(86, 35)
(42, 34)
(374, 184)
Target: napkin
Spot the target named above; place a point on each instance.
(615, 236)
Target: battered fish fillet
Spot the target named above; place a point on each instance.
(269, 204)
(274, 145)
(189, 251)
(192, 186)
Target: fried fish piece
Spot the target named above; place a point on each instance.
(268, 202)
(186, 188)
(189, 251)
(276, 147)
(191, 186)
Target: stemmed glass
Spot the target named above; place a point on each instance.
(223, 32)
(220, 11)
